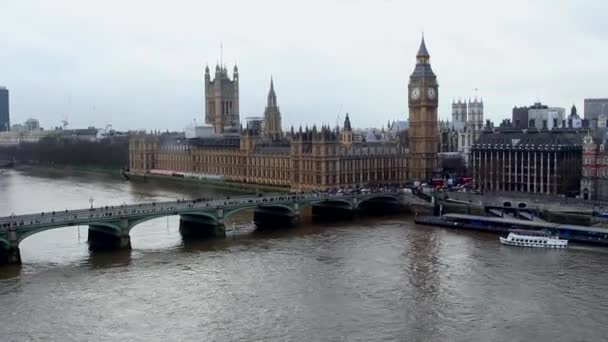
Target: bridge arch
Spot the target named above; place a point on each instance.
(24, 235)
(285, 207)
(367, 199)
(347, 203)
(111, 227)
(134, 222)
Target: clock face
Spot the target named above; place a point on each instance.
(415, 93)
(430, 93)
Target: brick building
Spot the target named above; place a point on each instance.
(594, 182)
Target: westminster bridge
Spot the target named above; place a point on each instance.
(109, 226)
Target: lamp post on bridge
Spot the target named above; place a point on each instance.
(91, 200)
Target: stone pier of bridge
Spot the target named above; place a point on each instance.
(192, 226)
(109, 236)
(10, 254)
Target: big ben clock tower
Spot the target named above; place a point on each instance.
(422, 134)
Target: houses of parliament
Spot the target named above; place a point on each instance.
(313, 158)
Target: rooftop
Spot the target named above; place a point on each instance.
(531, 137)
(272, 149)
(219, 141)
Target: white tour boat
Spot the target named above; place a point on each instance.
(533, 239)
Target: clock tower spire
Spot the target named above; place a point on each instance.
(422, 102)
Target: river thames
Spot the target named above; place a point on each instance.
(374, 279)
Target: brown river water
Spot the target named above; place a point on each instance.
(372, 279)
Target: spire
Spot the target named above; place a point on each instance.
(573, 111)
(347, 126)
(422, 52)
(272, 97)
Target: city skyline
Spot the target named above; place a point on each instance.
(139, 69)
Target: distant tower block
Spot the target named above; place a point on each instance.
(222, 99)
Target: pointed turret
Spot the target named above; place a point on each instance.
(422, 51)
(423, 65)
(272, 115)
(573, 112)
(347, 133)
(272, 97)
(347, 123)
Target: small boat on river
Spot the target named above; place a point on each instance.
(542, 239)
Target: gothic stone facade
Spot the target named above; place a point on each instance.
(532, 162)
(222, 100)
(306, 160)
(422, 135)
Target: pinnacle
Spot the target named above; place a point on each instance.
(422, 52)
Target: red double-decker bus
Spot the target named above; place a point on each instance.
(437, 182)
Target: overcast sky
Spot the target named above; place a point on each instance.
(140, 64)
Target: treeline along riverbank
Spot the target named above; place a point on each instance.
(108, 153)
